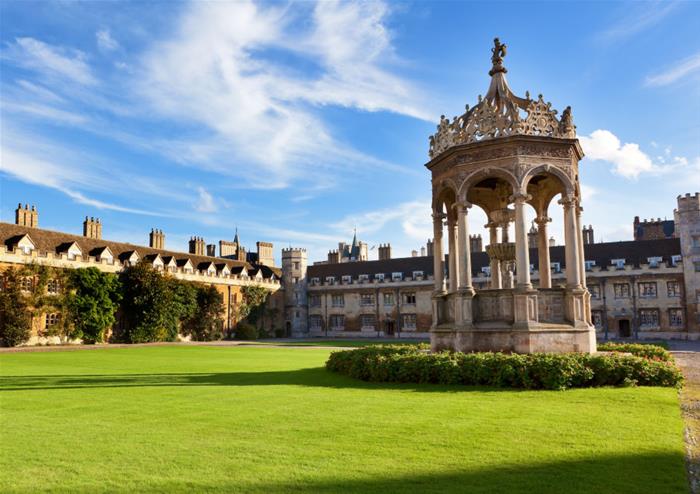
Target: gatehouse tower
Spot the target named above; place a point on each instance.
(503, 155)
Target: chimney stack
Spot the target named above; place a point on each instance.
(588, 235)
(27, 217)
(92, 228)
(384, 252)
(476, 243)
(429, 247)
(156, 239)
(197, 246)
(422, 251)
(211, 250)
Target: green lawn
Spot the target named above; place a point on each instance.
(269, 420)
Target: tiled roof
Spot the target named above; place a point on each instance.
(51, 241)
(634, 252)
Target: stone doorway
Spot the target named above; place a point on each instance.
(389, 328)
(623, 328)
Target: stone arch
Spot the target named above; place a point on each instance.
(543, 183)
(445, 194)
(483, 174)
(546, 169)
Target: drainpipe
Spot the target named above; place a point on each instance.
(605, 307)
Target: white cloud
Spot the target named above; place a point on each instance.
(629, 161)
(105, 41)
(205, 204)
(50, 60)
(256, 106)
(642, 16)
(680, 69)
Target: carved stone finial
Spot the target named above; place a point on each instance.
(497, 53)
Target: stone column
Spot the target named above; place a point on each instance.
(453, 274)
(573, 271)
(522, 254)
(543, 251)
(465, 261)
(579, 241)
(494, 263)
(438, 256)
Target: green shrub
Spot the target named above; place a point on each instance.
(246, 331)
(15, 318)
(414, 364)
(94, 303)
(654, 352)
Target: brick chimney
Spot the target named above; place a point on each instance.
(211, 250)
(156, 239)
(197, 246)
(92, 228)
(24, 216)
(475, 243)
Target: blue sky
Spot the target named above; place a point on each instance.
(296, 122)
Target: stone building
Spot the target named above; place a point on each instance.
(356, 251)
(24, 243)
(643, 289)
(653, 229)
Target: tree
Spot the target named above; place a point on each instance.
(206, 324)
(148, 303)
(94, 303)
(15, 318)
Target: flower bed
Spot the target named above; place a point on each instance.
(414, 364)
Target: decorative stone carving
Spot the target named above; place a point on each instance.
(500, 114)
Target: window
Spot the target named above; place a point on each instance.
(697, 266)
(589, 265)
(295, 280)
(654, 261)
(597, 318)
(314, 300)
(595, 291)
(296, 314)
(366, 299)
(396, 276)
(338, 301)
(675, 318)
(388, 299)
(418, 275)
(648, 318)
(330, 279)
(696, 241)
(556, 267)
(675, 259)
(52, 287)
(409, 298)
(647, 289)
(347, 279)
(367, 321)
(622, 290)
(379, 276)
(51, 320)
(486, 270)
(618, 263)
(364, 278)
(408, 322)
(673, 289)
(337, 322)
(315, 281)
(315, 322)
(296, 264)
(26, 283)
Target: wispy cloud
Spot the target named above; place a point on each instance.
(205, 202)
(105, 42)
(50, 60)
(679, 69)
(637, 18)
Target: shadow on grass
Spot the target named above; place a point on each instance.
(658, 473)
(313, 377)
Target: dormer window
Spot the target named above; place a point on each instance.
(347, 279)
(379, 276)
(418, 275)
(675, 259)
(618, 263)
(364, 278)
(556, 267)
(654, 261)
(396, 276)
(486, 270)
(330, 279)
(315, 281)
(589, 265)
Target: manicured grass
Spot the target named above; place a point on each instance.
(335, 343)
(269, 420)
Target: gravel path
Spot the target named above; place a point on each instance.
(689, 362)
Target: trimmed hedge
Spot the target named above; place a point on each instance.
(414, 364)
(653, 352)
